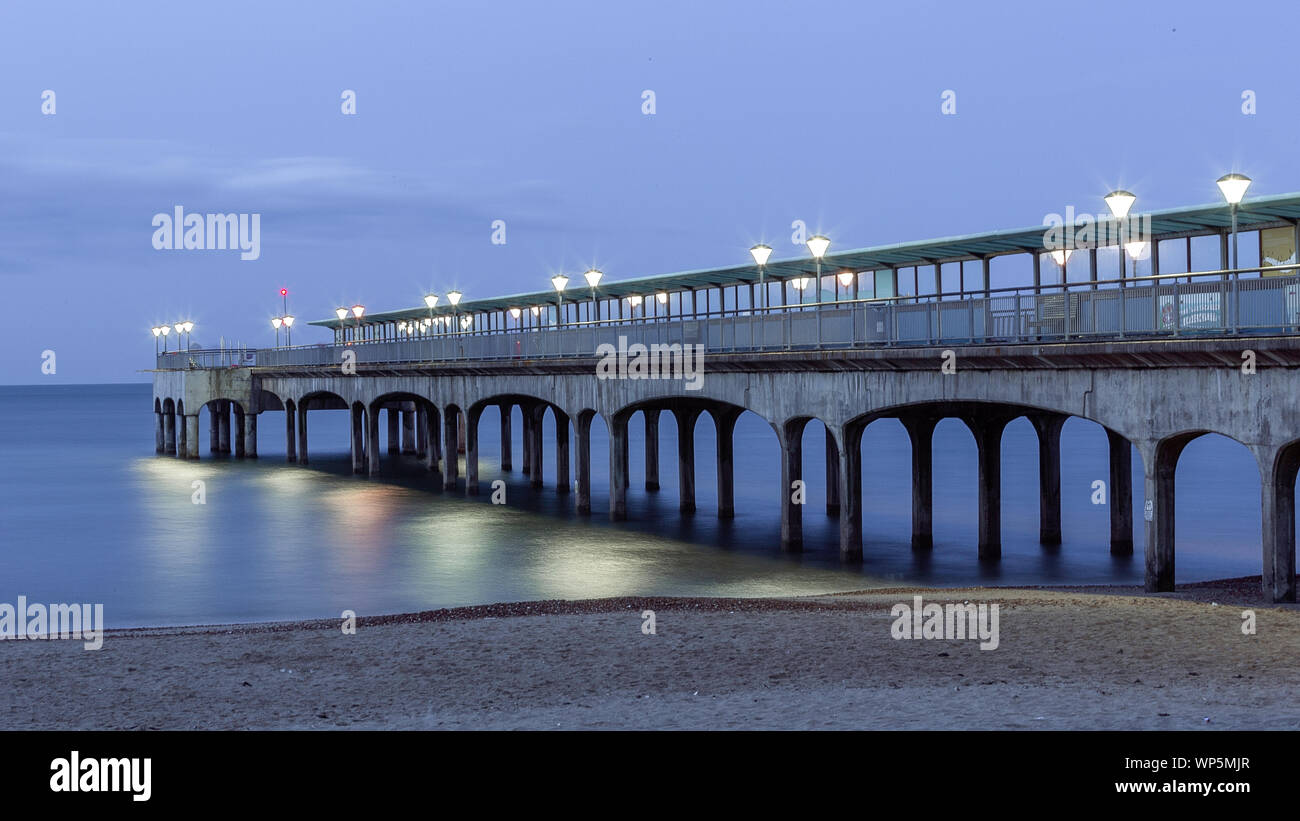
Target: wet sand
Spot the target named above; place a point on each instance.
(1081, 658)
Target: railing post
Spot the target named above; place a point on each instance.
(1123, 310)
(1178, 310)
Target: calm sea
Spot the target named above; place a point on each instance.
(90, 514)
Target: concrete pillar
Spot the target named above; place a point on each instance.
(617, 468)
(302, 433)
(527, 415)
(1278, 521)
(394, 437)
(832, 475)
(450, 422)
(421, 430)
(408, 432)
(160, 432)
(1048, 426)
(850, 496)
(358, 419)
(792, 472)
(250, 435)
(562, 481)
(1120, 493)
(372, 439)
(988, 440)
(431, 434)
(223, 417)
(535, 445)
(471, 452)
(685, 458)
(584, 463)
(290, 439)
(214, 427)
(920, 430)
(651, 448)
(192, 436)
(1158, 466)
(506, 458)
(724, 421)
(182, 447)
(169, 432)
(239, 432)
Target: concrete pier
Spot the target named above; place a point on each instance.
(562, 481)
(471, 453)
(618, 468)
(408, 431)
(450, 424)
(987, 430)
(302, 432)
(506, 458)
(724, 421)
(536, 447)
(832, 476)
(849, 474)
(223, 438)
(1120, 494)
(583, 484)
(686, 419)
(394, 427)
(290, 439)
(358, 421)
(651, 416)
(169, 432)
(920, 431)
(793, 494)
(1048, 426)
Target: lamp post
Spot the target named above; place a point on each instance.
(559, 281)
(358, 311)
(593, 279)
(431, 301)
(818, 246)
(342, 314)
(454, 298)
(662, 298)
(1234, 188)
(846, 279)
(761, 253)
(1119, 202)
(288, 330)
(165, 329)
(276, 322)
(1061, 257)
(157, 332)
(634, 302)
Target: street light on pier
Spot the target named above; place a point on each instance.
(358, 311)
(559, 281)
(157, 332)
(288, 330)
(165, 329)
(276, 322)
(1119, 202)
(454, 298)
(761, 253)
(593, 279)
(1233, 187)
(818, 245)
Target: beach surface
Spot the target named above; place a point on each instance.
(1094, 658)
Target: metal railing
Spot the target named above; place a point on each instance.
(1208, 303)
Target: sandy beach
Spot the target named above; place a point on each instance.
(1095, 658)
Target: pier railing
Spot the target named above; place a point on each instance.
(1209, 303)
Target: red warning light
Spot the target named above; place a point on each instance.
(284, 292)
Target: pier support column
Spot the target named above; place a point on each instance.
(584, 463)
(1120, 494)
(686, 418)
(358, 419)
(250, 435)
(302, 432)
(192, 436)
(182, 432)
(239, 431)
(394, 431)
(169, 432)
(290, 438)
(1048, 426)
(651, 448)
(421, 430)
(792, 498)
(724, 422)
(471, 452)
(431, 435)
(1159, 462)
(1279, 468)
(562, 481)
(214, 428)
(988, 440)
(527, 431)
(506, 456)
(849, 471)
(536, 448)
(372, 440)
(223, 417)
(158, 446)
(920, 430)
(450, 423)
(408, 432)
(618, 468)
(832, 475)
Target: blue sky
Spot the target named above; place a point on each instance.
(531, 113)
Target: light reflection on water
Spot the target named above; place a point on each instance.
(91, 515)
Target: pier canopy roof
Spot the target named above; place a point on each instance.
(1198, 220)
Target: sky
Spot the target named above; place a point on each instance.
(532, 113)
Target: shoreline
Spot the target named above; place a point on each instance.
(1240, 590)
